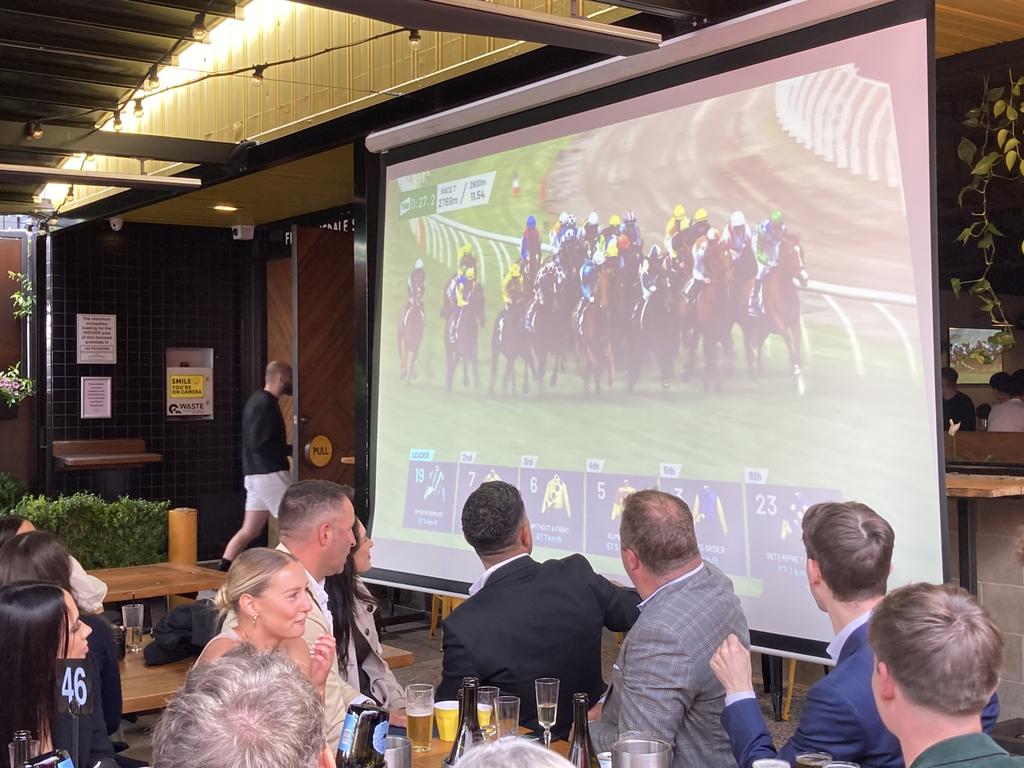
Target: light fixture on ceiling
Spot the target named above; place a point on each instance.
(152, 81)
(415, 39)
(139, 111)
(70, 196)
(53, 222)
(257, 74)
(33, 130)
(225, 208)
(199, 30)
(118, 125)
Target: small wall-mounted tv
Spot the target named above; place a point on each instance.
(973, 355)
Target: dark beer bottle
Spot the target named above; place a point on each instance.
(581, 753)
(363, 737)
(469, 734)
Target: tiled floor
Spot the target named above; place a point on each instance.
(427, 669)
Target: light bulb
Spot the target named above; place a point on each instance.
(152, 81)
(199, 30)
(415, 39)
(139, 111)
(118, 125)
(257, 74)
(70, 196)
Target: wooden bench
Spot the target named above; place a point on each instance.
(144, 688)
(102, 454)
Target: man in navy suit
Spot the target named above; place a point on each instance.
(526, 619)
(849, 555)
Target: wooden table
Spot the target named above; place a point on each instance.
(967, 489)
(159, 580)
(439, 751)
(144, 688)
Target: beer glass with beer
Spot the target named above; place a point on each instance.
(419, 714)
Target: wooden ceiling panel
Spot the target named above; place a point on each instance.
(964, 25)
(286, 191)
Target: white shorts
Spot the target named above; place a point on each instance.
(265, 491)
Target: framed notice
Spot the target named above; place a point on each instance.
(95, 392)
(97, 339)
(189, 383)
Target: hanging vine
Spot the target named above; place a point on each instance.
(997, 160)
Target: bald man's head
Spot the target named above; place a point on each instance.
(278, 378)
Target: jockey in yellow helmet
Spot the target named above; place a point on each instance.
(678, 222)
(512, 284)
(464, 287)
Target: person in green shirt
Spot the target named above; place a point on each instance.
(937, 660)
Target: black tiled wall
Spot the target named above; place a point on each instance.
(169, 287)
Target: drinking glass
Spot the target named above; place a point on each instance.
(547, 705)
(132, 616)
(485, 698)
(506, 709)
(20, 751)
(419, 714)
(812, 759)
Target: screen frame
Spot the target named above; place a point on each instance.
(834, 30)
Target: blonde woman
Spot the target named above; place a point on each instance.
(265, 599)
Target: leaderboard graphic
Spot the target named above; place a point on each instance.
(580, 510)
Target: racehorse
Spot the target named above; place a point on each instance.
(511, 340)
(653, 329)
(713, 313)
(781, 308)
(548, 322)
(460, 334)
(410, 333)
(593, 342)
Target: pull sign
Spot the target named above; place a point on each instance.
(319, 451)
(74, 687)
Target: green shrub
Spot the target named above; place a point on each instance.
(11, 492)
(102, 534)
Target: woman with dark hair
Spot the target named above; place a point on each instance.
(360, 660)
(41, 556)
(39, 624)
(88, 590)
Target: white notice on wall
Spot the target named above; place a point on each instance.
(95, 397)
(97, 339)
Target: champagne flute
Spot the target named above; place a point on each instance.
(547, 705)
(486, 695)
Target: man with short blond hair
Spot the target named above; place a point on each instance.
(937, 660)
(662, 683)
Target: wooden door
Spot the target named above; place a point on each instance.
(324, 368)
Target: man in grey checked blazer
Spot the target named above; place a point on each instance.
(662, 684)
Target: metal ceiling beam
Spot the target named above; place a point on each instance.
(222, 8)
(31, 69)
(60, 140)
(477, 17)
(70, 99)
(668, 8)
(95, 178)
(96, 50)
(100, 18)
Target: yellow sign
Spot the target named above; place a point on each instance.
(187, 386)
(319, 451)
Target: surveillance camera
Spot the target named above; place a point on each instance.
(116, 222)
(242, 231)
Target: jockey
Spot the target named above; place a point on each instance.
(738, 233)
(767, 239)
(464, 286)
(556, 233)
(529, 247)
(609, 233)
(466, 259)
(592, 229)
(678, 222)
(681, 243)
(631, 229)
(417, 280)
(512, 285)
(698, 281)
(650, 272)
(588, 277)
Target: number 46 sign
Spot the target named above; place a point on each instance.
(74, 687)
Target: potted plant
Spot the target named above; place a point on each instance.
(13, 386)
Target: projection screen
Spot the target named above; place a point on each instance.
(800, 368)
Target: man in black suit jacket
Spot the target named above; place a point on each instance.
(525, 619)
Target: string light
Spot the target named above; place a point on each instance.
(257, 74)
(199, 31)
(70, 196)
(118, 125)
(152, 80)
(139, 111)
(415, 39)
(33, 130)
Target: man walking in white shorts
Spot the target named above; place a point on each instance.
(264, 458)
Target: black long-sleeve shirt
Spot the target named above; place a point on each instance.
(264, 446)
